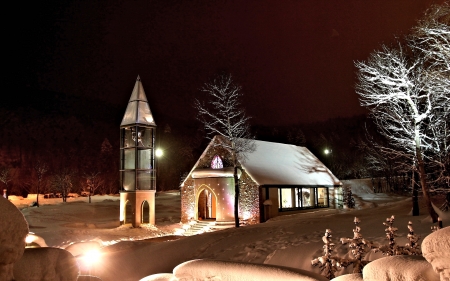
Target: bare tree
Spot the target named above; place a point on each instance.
(62, 182)
(93, 182)
(407, 93)
(5, 178)
(431, 40)
(40, 168)
(222, 115)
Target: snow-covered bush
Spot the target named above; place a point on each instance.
(46, 264)
(359, 247)
(205, 269)
(436, 250)
(13, 230)
(328, 263)
(400, 268)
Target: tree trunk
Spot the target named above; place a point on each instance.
(424, 184)
(415, 195)
(236, 196)
(37, 195)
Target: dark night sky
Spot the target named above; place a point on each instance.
(294, 59)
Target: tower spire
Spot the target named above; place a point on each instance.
(138, 110)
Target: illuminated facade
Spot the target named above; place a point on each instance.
(137, 160)
(276, 179)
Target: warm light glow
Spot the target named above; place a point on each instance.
(91, 257)
(327, 151)
(158, 152)
(30, 238)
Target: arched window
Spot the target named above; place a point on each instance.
(216, 163)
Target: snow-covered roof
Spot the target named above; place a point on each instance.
(284, 164)
(138, 109)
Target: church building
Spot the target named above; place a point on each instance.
(276, 179)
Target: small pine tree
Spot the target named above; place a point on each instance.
(391, 249)
(412, 247)
(349, 201)
(359, 247)
(328, 263)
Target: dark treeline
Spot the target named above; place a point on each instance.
(77, 142)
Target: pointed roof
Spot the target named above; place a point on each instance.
(138, 109)
(282, 164)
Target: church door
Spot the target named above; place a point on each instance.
(206, 205)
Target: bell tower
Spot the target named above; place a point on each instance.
(137, 160)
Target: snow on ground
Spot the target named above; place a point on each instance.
(288, 241)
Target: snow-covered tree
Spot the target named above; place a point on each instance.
(412, 247)
(407, 91)
(430, 41)
(62, 182)
(329, 264)
(222, 115)
(392, 249)
(349, 201)
(359, 246)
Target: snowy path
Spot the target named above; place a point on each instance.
(290, 241)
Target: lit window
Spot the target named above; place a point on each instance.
(216, 163)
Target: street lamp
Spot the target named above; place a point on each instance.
(327, 151)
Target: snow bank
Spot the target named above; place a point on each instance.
(13, 230)
(80, 248)
(46, 264)
(33, 238)
(436, 250)
(233, 271)
(400, 268)
(88, 278)
(349, 277)
(160, 277)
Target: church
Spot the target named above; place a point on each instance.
(276, 179)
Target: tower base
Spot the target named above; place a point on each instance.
(137, 207)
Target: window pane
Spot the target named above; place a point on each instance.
(129, 162)
(145, 180)
(287, 198)
(308, 197)
(145, 159)
(146, 137)
(128, 180)
(322, 197)
(128, 137)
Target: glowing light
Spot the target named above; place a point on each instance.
(30, 238)
(327, 151)
(159, 152)
(91, 257)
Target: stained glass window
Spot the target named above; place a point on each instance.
(216, 163)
